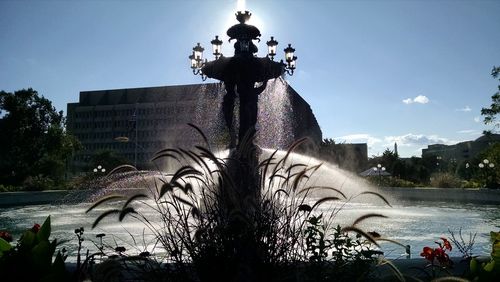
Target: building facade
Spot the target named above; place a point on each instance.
(461, 151)
(136, 123)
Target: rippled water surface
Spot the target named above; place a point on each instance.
(413, 223)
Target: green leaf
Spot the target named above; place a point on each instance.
(44, 232)
(41, 255)
(57, 271)
(4, 245)
(28, 239)
(489, 266)
(494, 236)
(474, 266)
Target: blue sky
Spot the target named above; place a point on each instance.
(411, 72)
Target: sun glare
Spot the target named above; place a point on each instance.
(255, 20)
(240, 5)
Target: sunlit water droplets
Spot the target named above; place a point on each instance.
(275, 118)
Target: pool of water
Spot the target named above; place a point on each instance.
(417, 224)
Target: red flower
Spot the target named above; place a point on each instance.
(35, 228)
(438, 253)
(428, 254)
(441, 256)
(446, 244)
(6, 236)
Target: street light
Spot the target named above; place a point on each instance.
(125, 139)
(438, 159)
(99, 168)
(271, 47)
(244, 34)
(486, 165)
(243, 71)
(467, 174)
(379, 168)
(216, 47)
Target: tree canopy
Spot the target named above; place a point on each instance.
(33, 142)
(491, 114)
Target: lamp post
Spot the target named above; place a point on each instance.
(100, 169)
(125, 139)
(467, 174)
(379, 168)
(485, 167)
(242, 72)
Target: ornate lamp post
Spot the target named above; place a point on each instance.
(487, 165)
(438, 159)
(100, 169)
(242, 72)
(467, 173)
(379, 168)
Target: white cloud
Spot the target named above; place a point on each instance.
(408, 144)
(359, 138)
(464, 109)
(408, 101)
(468, 131)
(417, 140)
(421, 99)
(477, 119)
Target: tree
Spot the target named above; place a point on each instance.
(490, 114)
(387, 160)
(33, 142)
(331, 151)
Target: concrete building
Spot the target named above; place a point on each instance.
(461, 151)
(136, 123)
(348, 156)
(355, 156)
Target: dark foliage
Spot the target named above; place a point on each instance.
(33, 142)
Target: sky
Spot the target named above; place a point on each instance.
(380, 72)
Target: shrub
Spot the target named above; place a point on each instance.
(31, 258)
(7, 188)
(488, 270)
(470, 184)
(38, 183)
(445, 180)
(398, 182)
